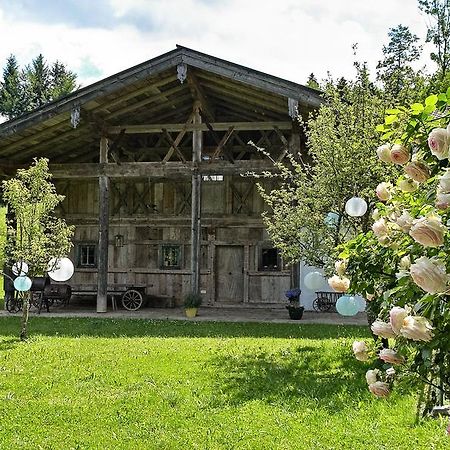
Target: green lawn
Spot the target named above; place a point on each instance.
(106, 384)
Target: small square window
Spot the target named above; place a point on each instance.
(212, 178)
(170, 257)
(87, 255)
(270, 259)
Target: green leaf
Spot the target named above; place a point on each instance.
(393, 111)
(390, 119)
(448, 93)
(429, 109)
(431, 100)
(442, 97)
(417, 107)
(380, 128)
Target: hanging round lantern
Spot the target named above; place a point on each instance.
(347, 306)
(313, 281)
(361, 304)
(60, 269)
(331, 219)
(22, 283)
(356, 207)
(19, 268)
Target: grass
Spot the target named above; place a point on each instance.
(105, 384)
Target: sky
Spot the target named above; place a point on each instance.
(286, 38)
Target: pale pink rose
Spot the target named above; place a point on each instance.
(360, 350)
(380, 228)
(417, 328)
(339, 284)
(428, 231)
(371, 376)
(379, 389)
(444, 182)
(369, 297)
(405, 262)
(408, 185)
(382, 329)
(442, 200)
(340, 267)
(399, 154)
(384, 153)
(396, 317)
(418, 171)
(430, 275)
(376, 214)
(390, 356)
(390, 372)
(405, 221)
(438, 142)
(448, 429)
(383, 192)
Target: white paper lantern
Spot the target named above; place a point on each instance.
(314, 281)
(19, 268)
(356, 207)
(61, 269)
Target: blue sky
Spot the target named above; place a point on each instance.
(287, 38)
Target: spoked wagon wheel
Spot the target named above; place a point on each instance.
(132, 300)
(14, 302)
(321, 304)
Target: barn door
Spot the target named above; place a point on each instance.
(229, 274)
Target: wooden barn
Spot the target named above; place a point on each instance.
(151, 162)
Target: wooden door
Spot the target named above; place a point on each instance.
(230, 274)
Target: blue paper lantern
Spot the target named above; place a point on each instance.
(347, 306)
(331, 219)
(361, 304)
(22, 283)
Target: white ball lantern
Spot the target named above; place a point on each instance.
(314, 281)
(19, 268)
(60, 269)
(356, 207)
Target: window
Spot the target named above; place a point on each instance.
(269, 259)
(87, 255)
(212, 177)
(170, 256)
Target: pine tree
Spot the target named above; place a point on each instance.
(11, 101)
(36, 77)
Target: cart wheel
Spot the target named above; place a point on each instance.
(316, 304)
(14, 302)
(132, 300)
(322, 304)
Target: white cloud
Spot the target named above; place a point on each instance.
(287, 38)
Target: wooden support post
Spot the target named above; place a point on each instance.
(196, 202)
(103, 228)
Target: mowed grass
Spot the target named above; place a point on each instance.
(136, 384)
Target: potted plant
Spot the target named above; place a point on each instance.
(294, 308)
(191, 303)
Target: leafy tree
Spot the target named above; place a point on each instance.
(35, 235)
(339, 164)
(30, 88)
(11, 92)
(403, 263)
(438, 32)
(394, 70)
(312, 82)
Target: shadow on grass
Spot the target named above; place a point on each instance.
(112, 328)
(326, 377)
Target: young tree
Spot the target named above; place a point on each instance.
(308, 216)
(312, 82)
(35, 235)
(11, 92)
(394, 70)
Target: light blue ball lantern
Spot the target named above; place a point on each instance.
(347, 306)
(361, 304)
(331, 219)
(22, 283)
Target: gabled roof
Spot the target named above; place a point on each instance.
(151, 93)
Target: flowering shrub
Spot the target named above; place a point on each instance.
(402, 265)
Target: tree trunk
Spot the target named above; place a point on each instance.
(24, 322)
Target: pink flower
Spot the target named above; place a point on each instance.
(340, 267)
(382, 329)
(384, 153)
(429, 274)
(371, 376)
(360, 350)
(438, 143)
(339, 284)
(428, 231)
(442, 200)
(399, 154)
(417, 328)
(380, 228)
(390, 356)
(383, 191)
(396, 317)
(405, 221)
(444, 182)
(408, 185)
(418, 171)
(379, 389)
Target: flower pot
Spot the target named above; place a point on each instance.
(191, 312)
(295, 312)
